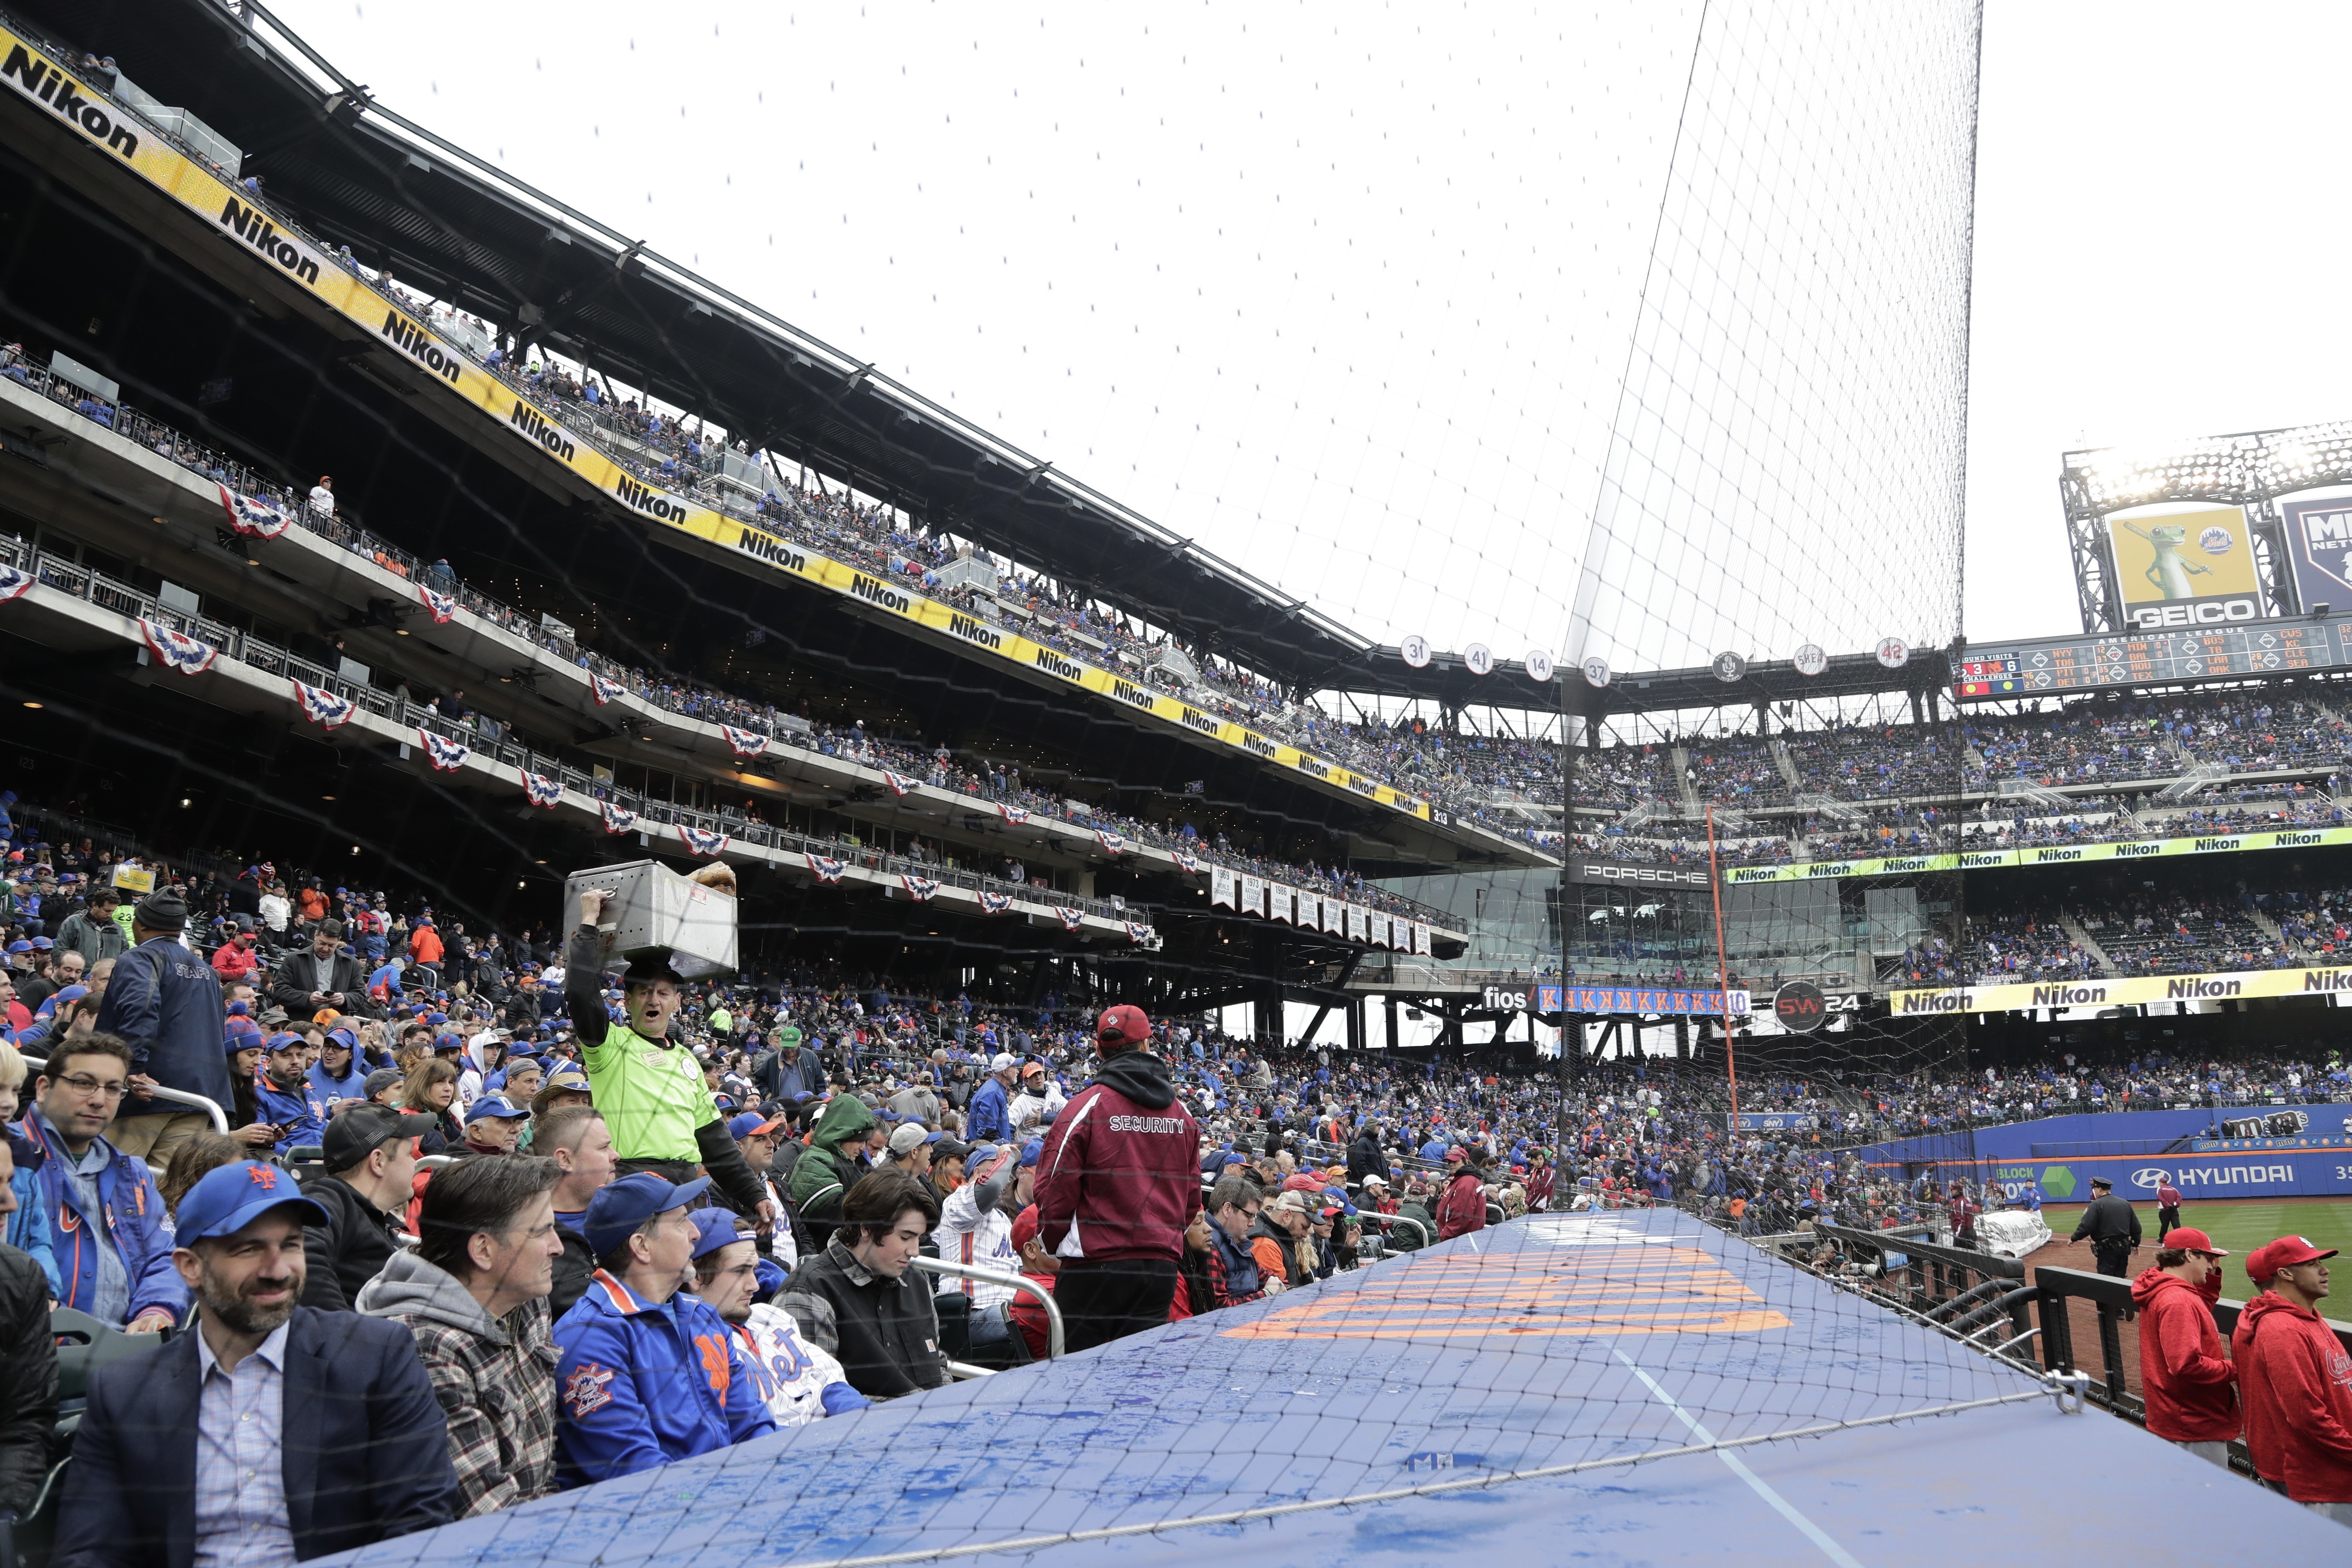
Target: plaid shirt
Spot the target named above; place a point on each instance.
(500, 1402)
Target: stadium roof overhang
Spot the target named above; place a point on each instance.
(445, 221)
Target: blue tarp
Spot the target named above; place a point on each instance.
(1544, 1341)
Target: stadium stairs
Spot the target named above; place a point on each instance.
(2074, 928)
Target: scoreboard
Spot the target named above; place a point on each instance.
(2143, 658)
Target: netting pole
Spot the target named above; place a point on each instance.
(1572, 1051)
(1722, 977)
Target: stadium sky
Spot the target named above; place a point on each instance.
(1343, 292)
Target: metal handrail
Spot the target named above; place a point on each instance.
(177, 1097)
(1026, 1286)
(1396, 1219)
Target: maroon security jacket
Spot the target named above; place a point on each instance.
(1120, 1176)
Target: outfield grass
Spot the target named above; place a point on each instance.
(2240, 1224)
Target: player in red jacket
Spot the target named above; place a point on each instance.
(2192, 1391)
(2297, 1378)
(1119, 1181)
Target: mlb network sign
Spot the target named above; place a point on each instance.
(2319, 546)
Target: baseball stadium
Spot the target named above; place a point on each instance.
(635, 936)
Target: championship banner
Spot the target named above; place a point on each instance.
(541, 792)
(177, 650)
(1111, 841)
(14, 583)
(253, 515)
(701, 840)
(827, 869)
(1420, 938)
(440, 607)
(1347, 915)
(743, 743)
(1220, 886)
(899, 783)
(602, 690)
(1184, 862)
(922, 890)
(1641, 1000)
(321, 705)
(617, 819)
(1285, 904)
(1252, 895)
(1015, 815)
(446, 756)
(1137, 933)
(1072, 920)
(995, 903)
(2134, 991)
(2184, 570)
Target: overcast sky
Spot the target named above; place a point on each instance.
(1343, 292)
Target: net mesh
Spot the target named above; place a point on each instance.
(987, 758)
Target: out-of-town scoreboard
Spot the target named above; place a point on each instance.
(2098, 663)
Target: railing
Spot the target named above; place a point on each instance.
(1055, 1339)
(2111, 1300)
(244, 648)
(176, 1097)
(342, 530)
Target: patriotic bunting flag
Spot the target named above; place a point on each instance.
(922, 890)
(701, 840)
(1137, 932)
(178, 649)
(618, 819)
(253, 515)
(1111, 841)
(321, 705)
(743, 743)
(604, 690)
(445, 755)
(542, 792)
(995, 903)
(1071, 918)
(441, 605)
(14, 583)
(897, 786)
(1015, 814)
(1184, 862)
(826, 868)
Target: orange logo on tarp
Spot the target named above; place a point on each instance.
(1540, 1292)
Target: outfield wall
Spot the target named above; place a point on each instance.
(2058, 1155)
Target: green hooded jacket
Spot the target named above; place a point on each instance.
(821, 1178)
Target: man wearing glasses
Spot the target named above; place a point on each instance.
(104, 1216)
(473, 1294)
(2297, 1378)
(1233, 1205)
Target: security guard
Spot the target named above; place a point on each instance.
(2112, 1225)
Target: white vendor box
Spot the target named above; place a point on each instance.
(654, 910)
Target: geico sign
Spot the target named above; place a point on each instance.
(2212, 612)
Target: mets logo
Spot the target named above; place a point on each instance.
(263, 1176)
(587, 1390)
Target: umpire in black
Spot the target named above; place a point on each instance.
(2112, 1225)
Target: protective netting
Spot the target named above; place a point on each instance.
(395, 539)
(1785, 465)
